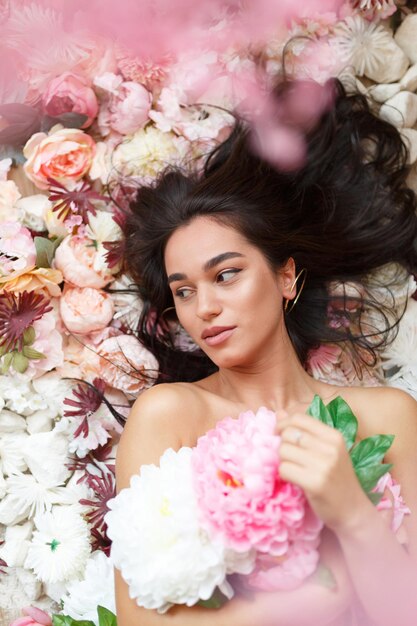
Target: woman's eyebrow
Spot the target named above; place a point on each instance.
(208, 265)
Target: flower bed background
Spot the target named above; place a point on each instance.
(92, 105)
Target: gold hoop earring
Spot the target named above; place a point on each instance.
(300, 273)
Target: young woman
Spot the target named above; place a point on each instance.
(246, 256)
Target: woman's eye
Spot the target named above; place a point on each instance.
(227, 275)
(183, 293)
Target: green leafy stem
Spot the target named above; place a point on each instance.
(366, 455)
(105, 618)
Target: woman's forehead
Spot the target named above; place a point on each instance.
(201, 240)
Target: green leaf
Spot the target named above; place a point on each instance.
(45, 250)
(215, 602)
(7, 361)
(20, 362)
(370, 450)
(66, 620)
(106, 617)
(344, 420)
(375, 497)
(31, 353)
(324, 577)
(29, 336)
(369, 476)
(319, 410)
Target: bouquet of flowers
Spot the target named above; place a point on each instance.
(222, 508)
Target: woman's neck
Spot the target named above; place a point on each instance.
(278, 382)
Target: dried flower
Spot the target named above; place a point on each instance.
(77, 201)
(17, 314)
(90, 398)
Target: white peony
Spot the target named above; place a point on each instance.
(60, 546)
(11, 457)
(95, 589)
(149, 151)
(162, 552)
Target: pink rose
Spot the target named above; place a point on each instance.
(80, 263)
(17, 250)
(70, 93)
(126, 108)
(84, 310)
(33, 617)
(123, 363)
(65, 155)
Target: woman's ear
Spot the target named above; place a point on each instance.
(287, 276)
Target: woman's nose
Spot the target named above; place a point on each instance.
(208, 304)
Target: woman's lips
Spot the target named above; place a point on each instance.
(215, 336)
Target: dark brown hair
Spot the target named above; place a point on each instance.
(346, 212)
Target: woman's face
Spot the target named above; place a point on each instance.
(226, 295)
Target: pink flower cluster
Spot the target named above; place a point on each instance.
(245, 504)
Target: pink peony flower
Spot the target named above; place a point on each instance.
(79, 262)
(70, 93)
(241, 496)
(65, 155)
(17, 250)
(123, 363)
(33, 617)
(84, 310)
(126, 105)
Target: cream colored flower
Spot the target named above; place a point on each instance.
(146, 153)
(371, 49)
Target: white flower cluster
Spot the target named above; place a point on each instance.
(158, 542)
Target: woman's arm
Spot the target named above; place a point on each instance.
(312, 603)
(383, 573)
(155, 425)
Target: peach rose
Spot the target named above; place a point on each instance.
(78, 261)
(65, 155)
(124, 363)
(84, 310)
(70, 93)
(39, 279)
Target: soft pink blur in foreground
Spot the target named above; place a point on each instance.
(46, 39)
(33, 617)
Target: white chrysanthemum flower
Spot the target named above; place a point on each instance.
(146, 153)
(25, 497)
(392, 285)
(60, 546)
(158, 545)
(366, 45)
(95, 589)
(405, 379)
(402, 353)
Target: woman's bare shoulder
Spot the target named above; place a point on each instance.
(164, 416)
(384, 410)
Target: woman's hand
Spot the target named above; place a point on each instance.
(314, 457)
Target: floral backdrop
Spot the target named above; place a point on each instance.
(86, 117)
